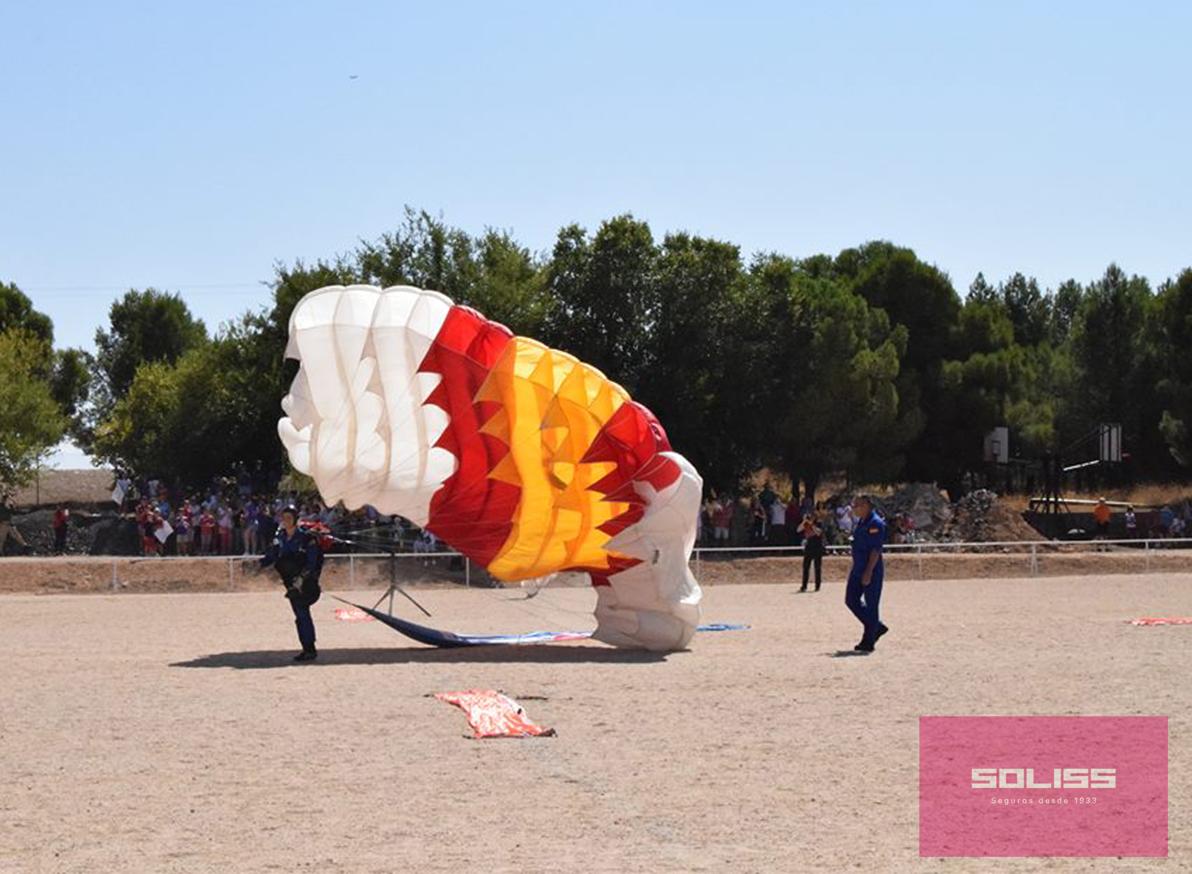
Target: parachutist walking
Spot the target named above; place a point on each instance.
(297, 557)
(863, 593)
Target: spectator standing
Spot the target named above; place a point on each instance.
(266, 525)
(252, 513)
(1102, 516)
(722, 521)
(794, 519)
(757, 533)
(60, 523)
(813, 549)
(777, 514)
(184, 536)
(1178, 527)
(224, 518)
(237, 530)
(1131, 521)
(1166, 517)
(206, 532)
(846, 520)
(149, 541)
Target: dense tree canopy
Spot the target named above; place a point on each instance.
(865, 363)
(31, 421)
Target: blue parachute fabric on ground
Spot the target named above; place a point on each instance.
(449, 639)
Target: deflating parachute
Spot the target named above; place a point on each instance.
(521, 457)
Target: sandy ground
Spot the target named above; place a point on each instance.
(169, 732)
(70, 574)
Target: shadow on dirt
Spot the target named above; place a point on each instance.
(554, 654)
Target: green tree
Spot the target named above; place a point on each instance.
(16, 311)
(1175, 385)
(605, 296)
(143, 327)
(828, 370)
(1115, 366)
(696, 381)
(198, 417)
(508, 286)
(1065, 304)
(1028, 309)
(980, 291)
(70, 383)
(31, 422)
(424, 252)
(921, 299)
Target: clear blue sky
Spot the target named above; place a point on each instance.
(190, 146)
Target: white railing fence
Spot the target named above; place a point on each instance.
(1149, 549)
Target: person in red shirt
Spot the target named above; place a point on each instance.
(206, 531)
(1102, 516)
(61, 520)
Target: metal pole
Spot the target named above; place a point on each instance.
(1034, 560)
(919, 553)
(231, 575)
(1146, 547)
(115, 578)
(351, 570)
(467, 572)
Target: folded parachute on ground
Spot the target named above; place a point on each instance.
(521, 457)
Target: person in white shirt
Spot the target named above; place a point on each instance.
(777, 513)
(845, 520)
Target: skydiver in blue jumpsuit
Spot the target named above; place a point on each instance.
(863, 593)
(298, 560)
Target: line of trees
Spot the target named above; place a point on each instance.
(868, 362)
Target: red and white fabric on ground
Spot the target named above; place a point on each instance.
(494, 714)
(1162, 620)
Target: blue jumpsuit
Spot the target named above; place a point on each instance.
(297, 557)
(863, 601)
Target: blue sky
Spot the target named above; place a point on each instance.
(190, 146)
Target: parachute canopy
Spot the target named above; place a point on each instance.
(520, 456)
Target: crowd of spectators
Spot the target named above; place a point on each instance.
(230, 517)
(769, 518)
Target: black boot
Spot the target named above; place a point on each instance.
(881, 629)
(307, 655)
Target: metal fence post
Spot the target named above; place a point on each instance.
(231, 575)
(1034, 560)
(351, 570)
(115, 578)
(467, 572)
(1146, 547)
(919, 555)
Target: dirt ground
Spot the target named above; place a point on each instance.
(171, 733)
(49, 575)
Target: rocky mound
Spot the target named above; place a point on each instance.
(104, 533)
(980, 517)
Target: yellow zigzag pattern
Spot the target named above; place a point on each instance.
(552, 406)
